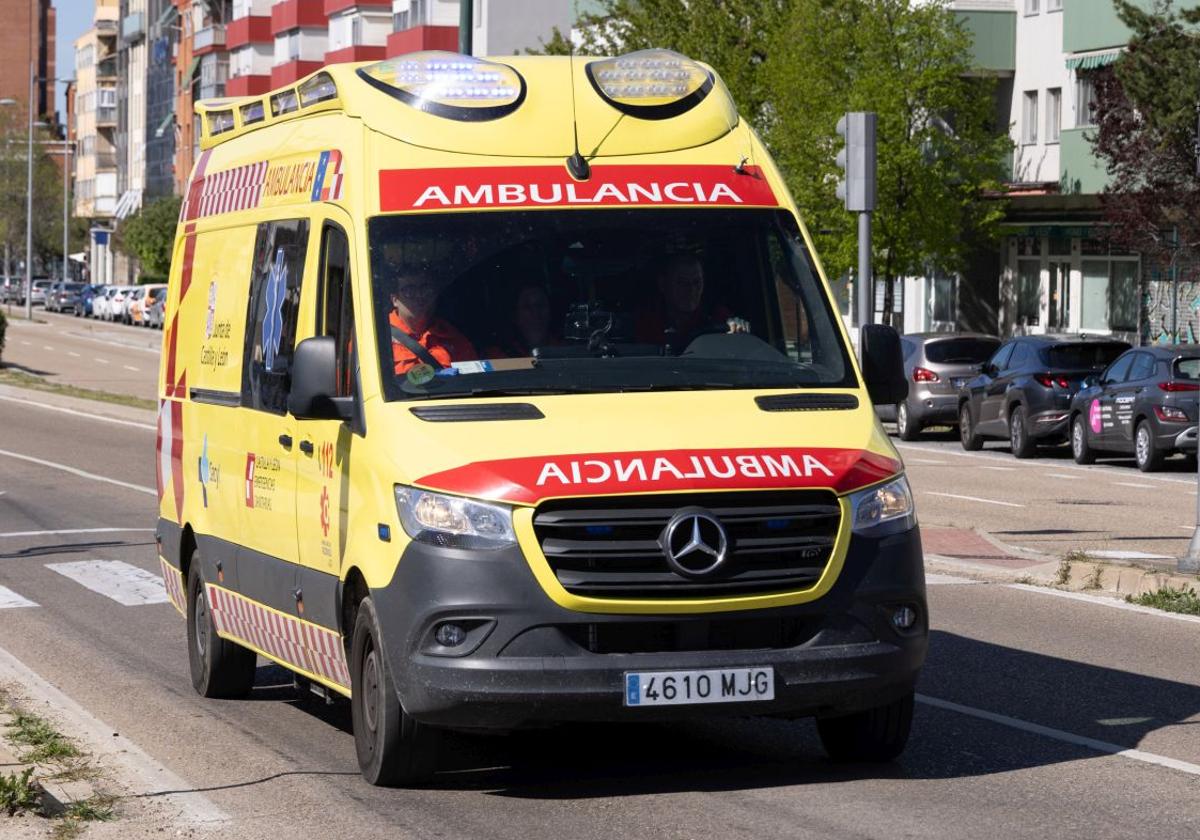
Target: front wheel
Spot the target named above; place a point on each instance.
(1081, 450)
(1023, 446)
(220, 668)
(906, 427)
(1148, 456)
(393, 749)
(874, 735)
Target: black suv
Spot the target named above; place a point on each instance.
(1144, 404)
(1024, 391)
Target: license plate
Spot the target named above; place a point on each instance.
(957, 381)
(678, 688)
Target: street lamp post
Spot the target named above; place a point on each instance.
(29, 202)
(66, 269)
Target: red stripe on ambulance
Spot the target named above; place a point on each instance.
(551, 186)
(530, 480)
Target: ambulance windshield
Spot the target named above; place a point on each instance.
(531, 302)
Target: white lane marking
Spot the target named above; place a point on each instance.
(1060, 735)
(971, 498)
(145, 775)
(72, 353)
(47, 347)
(998, 456)
(64, 531)
(116, 579)
(81, 473)
(1000, 469)
(88, 415)
(937, 579)
(1110, 554)
(1105, 602)
(1134, 484)
(1063, 476)
(922, 461)
(11, 600)
(100, 361)
(1188, 527)
(26, 343)
(131, 367)
(124, 345)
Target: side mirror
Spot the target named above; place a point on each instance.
(883, 364)
(313, 395)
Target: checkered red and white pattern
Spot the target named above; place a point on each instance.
(290, 640)
(173, 582)
(331, 190)
(234, 189)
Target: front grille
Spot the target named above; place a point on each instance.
(689, 636)
(609, 547)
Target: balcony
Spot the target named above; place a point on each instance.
(254, 29)
(106, 116)
(107, 68)
(214, 91)
(332, 7)
(106, 160)
(133, 27)
(1081, 172)
(248, 85)
(993, 39)
(106, 27)
(356, 53)
(296, 14)
(423, 38)
(208, 39)
(291, 71)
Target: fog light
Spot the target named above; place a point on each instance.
(450, 635)
(904, 618)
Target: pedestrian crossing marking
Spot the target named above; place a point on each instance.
(10, 599)
(124, 583)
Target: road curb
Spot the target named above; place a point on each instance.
(56, 796)
(1114, 578)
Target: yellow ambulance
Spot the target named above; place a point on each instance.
(507, 392)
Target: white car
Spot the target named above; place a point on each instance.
(102, 303)
(118, 304)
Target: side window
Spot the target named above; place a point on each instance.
(1021, 357)
(1117, 370)
(1000, 360)
(335, 316)
(907, 347)
(271, 316)
(1143, 367)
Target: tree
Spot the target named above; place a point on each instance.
(149, 235)
(47, 190)
(794, 66)
(1145, 113)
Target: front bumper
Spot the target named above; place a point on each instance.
(531, 661)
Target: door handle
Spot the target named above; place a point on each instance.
(306, 446)
(285, 441)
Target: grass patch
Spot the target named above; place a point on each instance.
(20, 379)
(1096, 579)
(18, 793)
(43, 743)
(1025, 579)
(1169, 599)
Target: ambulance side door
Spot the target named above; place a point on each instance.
(324, 450)
(267, 554)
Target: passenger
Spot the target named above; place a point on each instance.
(418, 335)
(530, 326)
(679, 318)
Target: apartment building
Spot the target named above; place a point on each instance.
(162, 40)
(130, 135)
(96, 78)
(28, 36)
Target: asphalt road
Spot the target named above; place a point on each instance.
(1016, 683)
(98, 355)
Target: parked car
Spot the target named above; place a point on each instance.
(1145, 404)
(1023, 393)
(936, 365)
(83, 303)
(62, 296)
(139, 308)
(102, 302)
(118, 303)
(133, 306)
(38, 292)
(154, 317)
(10, 289)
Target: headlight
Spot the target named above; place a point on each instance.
(889, 505)
(452, 521)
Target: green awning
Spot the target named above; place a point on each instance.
(162, 126)
(1090, 61)
(191, 71)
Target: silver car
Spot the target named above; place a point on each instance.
(936, 364)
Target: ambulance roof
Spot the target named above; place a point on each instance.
(514, 106)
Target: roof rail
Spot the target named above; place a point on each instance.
(224, 119)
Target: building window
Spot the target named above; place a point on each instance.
(1053, 5)
(1029, 293)
(944, 306)
(1053, 114)
(1032, 7)
(1085, 100)
(407, 18)
(1029, 133)
(107, 97)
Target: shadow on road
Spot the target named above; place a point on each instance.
(598, 761)
(70, 548)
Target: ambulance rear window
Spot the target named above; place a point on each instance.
(520, 302)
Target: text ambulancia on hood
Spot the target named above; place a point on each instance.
(484, 195)
(596, 471)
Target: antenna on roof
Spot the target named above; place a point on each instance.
(577, 164)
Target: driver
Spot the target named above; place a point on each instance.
(679, 317)
(418, 335)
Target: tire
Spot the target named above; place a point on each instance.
(1081, 450)
(906, 427)
(219, 667)
(874, 735)
(1023, 446)
(1149, 457)
(967, 436)
(393, 749)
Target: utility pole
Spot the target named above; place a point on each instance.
(466, 26)
(857, 160)
(66, 270)
(29, 202)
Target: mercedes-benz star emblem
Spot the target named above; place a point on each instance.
(695, 543)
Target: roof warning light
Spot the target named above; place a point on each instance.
(451, 85)
(651, 84)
